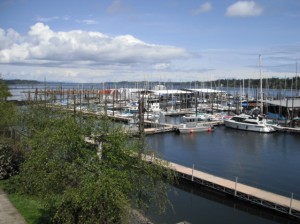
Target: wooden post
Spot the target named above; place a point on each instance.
(74, 105)
(290, 211)
(236, 181)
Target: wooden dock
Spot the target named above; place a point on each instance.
(286, 205)
(287, 129)
(167, 128)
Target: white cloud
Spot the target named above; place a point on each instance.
(8, 38)
(244, 9)
(205, 7)
(46, 19)
(88, 21)
(76, 48)
(49, 19)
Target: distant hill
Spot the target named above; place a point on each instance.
(19, 81)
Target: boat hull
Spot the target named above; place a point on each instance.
(193, 129)
(249, 127)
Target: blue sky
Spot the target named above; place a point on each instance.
(136, 40)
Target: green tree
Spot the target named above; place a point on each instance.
(10, 153)
(7, 109)
(77, 184)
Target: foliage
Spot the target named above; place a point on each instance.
(76, 184)
(10, 154)
(7, 109)
(4, 91)
(10, 160)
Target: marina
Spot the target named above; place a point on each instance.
(222, 154)
(157, 112)
(156, 102)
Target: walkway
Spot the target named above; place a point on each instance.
(254, 195)
(8, 213)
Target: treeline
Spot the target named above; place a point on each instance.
(20, 81)
(272, 83)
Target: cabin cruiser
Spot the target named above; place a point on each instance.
(249, 123)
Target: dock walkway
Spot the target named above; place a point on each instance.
(254, 195)
(287, 129)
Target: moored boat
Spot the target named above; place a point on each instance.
(195, 118)
(249, 123)
(192, 127)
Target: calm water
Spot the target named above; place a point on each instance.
(267, 161)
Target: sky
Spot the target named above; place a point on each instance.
(142, 40)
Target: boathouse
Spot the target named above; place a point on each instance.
(287, 108)
(109, 94)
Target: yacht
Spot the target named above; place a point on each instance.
(249, 123)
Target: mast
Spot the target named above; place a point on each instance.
(261, 93)
(297, 93)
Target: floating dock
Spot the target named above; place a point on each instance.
(286, 205)
(287, 129)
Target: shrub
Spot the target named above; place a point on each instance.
(10, 161)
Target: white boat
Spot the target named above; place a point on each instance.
(151, 116)
(195, 118)
(249, 123)
(191, 127)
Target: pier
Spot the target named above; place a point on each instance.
(287, 129)
(276, 202)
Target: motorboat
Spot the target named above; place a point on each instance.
(249, 123)
(191, 127)
(151, 116)
(195, 118)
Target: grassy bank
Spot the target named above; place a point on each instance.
(30, 208)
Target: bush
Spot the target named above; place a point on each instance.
(10, 161)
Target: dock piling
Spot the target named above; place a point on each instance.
(193, 173)
(236, 181)
(290, 210)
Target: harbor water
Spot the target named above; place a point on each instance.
(266, 161)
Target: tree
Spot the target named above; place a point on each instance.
(77, 185)
(7, 109)
(10, 153)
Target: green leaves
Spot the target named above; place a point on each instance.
(7, 109)
(75, 183)
(10, 160)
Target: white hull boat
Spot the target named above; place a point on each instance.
(194, 127)
(249, 123)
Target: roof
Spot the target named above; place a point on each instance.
(107, 91)
(288, 102)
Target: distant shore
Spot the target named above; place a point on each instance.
(271, 83)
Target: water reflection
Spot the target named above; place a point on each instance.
(199, 205)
